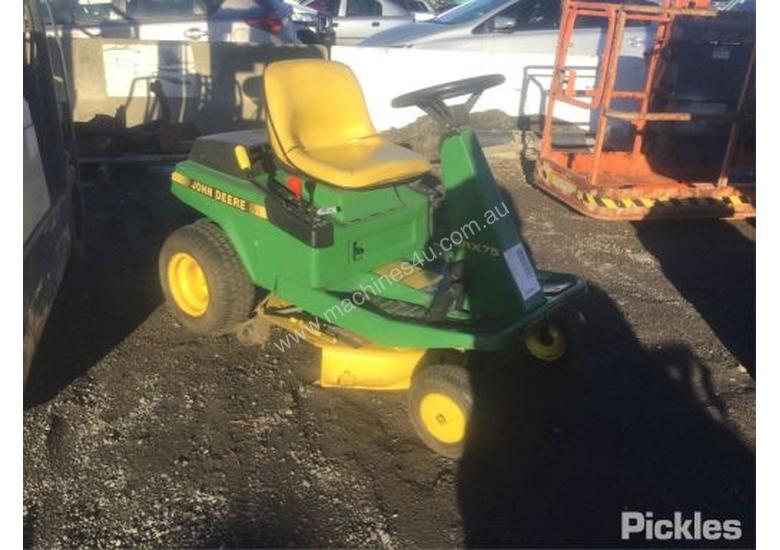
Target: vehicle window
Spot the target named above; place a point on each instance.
(29, 50)
(538, 14)
(83, 11)
(40, 95)
(327, 6)
(412, 5)
(527, 15)
(35, 67)
(468, 12)
(363, 8)
(165, 8)
(92, 10)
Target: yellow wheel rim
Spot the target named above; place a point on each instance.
(188, 285)
(443, 417)
(547, 344)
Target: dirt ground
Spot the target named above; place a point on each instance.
(138, 433)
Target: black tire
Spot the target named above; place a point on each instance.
(448, 380)
(231, 294)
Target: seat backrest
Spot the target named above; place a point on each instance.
(313, 103)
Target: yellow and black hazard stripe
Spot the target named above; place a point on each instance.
(597, 201)
(219, 195)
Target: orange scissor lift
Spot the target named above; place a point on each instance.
(630, 182)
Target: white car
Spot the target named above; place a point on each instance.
(355, 20)
(528, 26)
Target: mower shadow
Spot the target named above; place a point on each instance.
(713, 266)
(108, 292)
(555, 453)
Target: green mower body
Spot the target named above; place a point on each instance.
(407, 265)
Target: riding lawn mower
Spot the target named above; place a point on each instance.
(320, 226)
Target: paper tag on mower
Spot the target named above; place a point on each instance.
(522, 271)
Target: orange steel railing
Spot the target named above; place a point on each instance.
(591, 166)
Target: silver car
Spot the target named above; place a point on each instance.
(510, 26)
(355, 20)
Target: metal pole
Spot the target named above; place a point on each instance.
(611, 56)
(564, 40)
(731, 148)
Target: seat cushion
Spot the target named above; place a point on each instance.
(318, 124)
(360, 163)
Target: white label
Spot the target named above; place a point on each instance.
(522, 271)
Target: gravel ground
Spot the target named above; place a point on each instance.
(138, 433)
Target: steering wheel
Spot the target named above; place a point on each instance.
(431, 99)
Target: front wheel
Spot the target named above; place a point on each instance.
(559, 340)
(440, 403)
(547, 343)
(204, 281)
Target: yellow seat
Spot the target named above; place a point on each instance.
(318, 123)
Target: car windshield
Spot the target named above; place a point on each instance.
(467, 12)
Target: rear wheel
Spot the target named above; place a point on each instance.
(440, 402)
(204, 281)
